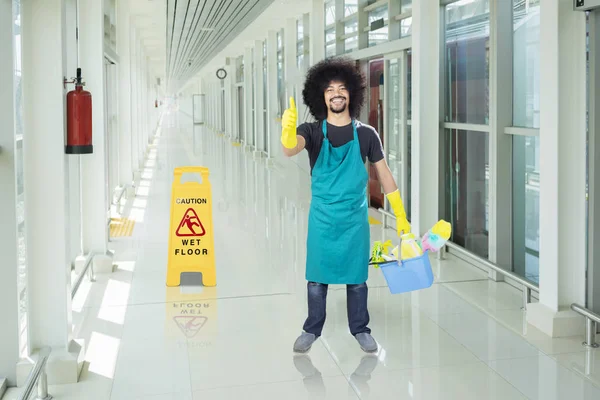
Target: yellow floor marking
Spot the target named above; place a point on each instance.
(121, 227)
(374, 221)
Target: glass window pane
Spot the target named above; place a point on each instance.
(20, 182)
(406, 6)
(380, 35)
(467, 61)
(466, 189)
(265, 105)
(350, 7)
(351, 26)
(406, 27)
(526, 64)
(330, 50)
(329, 12)
(526, 206)
(280, 83)
(240, 69)
(351, 43)
(394, 117)
(330, 35)
(409, 83)
(330, 42)
(409, 172)
(299, 30)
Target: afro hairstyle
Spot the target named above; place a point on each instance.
(319, 77)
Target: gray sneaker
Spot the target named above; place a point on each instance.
(366, 342)
(304, 342)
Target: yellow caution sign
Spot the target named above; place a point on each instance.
(191, 242)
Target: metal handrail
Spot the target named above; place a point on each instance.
(120, 196)
(87, 266)
(528, 287)
(591, 318)
(591, 321)
(38, 377)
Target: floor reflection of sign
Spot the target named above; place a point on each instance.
(190, 326)
(191, 318)
(190, 225)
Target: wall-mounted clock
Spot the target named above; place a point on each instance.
(221, 73)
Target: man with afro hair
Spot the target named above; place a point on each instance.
(338, 145)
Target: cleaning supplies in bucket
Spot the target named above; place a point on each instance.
(437, 236)
(409, 268)
(378, 254)
(410, 246)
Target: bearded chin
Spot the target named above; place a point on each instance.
(338, 110)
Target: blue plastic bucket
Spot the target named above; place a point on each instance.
(408, 275)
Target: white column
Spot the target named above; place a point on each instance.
(141, 114)
(74, 163)
(9, 307)
(135, 157)
(259, 80)
(249, 131)
(146, 104)
(425, 120)
(340, 45)
(363, 22)
(290, 48)
(45, 162)
(317, 31)
(144, 120)
(273, 95)
(500, 148)
(94, 177)
(125, 115)
(142, 104)
(562, 170)
(229, 83)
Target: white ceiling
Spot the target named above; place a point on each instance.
(273, 18)
(184, 39)
(198, 29)
(149, 19)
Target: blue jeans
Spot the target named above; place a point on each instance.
(356, 304)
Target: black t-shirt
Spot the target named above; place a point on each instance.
(368, 138)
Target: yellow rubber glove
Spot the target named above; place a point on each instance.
(402, 224)
(288, 126)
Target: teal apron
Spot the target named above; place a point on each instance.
(338, 223)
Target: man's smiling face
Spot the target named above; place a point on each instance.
(337, 97)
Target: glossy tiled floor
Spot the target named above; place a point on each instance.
(464, 338)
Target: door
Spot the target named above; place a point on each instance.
(376, 118)
(397, 124)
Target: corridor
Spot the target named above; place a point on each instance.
(464, 338)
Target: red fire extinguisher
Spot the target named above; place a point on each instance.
(79, 119)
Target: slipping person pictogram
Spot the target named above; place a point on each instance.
(189, 223)
(338, 145)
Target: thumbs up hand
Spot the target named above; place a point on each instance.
(288, 126)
